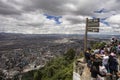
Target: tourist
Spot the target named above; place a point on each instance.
(87, 56)
(113, 64)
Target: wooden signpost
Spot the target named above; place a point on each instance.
(92, 25)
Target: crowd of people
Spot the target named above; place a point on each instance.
(103, 61)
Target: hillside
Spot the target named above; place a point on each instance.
(60, 68)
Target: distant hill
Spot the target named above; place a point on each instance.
(10, 36)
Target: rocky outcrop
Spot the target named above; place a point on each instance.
(81, 71)
(86, 73)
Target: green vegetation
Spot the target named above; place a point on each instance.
(60, 68)
(99, 45)
(28, 76)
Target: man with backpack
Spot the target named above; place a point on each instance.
(113, 64)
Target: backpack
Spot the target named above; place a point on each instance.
(102, 70)
(113, 63)
(95, 65)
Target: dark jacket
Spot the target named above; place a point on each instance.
(113, 63)
(87, 56)
(95, 69)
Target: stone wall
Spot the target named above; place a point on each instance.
(81, 71)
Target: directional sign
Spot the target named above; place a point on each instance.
(93, 29)
(93, 22)
(93, 25)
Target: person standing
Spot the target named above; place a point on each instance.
(87, 57)
(105, 60)
(113, 65)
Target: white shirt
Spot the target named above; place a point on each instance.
(105, 60)
(96, 51)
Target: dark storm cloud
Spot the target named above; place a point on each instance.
(49, 6)
(31, 24)
(6, 9)
(54, 7)
(60, 7)
(64, 7)
(75, 20)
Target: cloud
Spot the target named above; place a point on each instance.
(26, 23)
(65, 7)
(114, 19)
(27, 16)
(8, 9)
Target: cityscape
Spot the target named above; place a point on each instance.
(32, 52)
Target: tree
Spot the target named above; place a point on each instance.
(99, 45)
(70, 54)
(37, 75)
(60, 68)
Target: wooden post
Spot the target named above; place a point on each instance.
(85, 38)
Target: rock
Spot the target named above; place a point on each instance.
(86, 73)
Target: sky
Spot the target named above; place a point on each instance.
(58, 16)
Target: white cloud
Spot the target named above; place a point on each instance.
(27, 16)
(114, 19)
(70, 6)
(26, 23)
